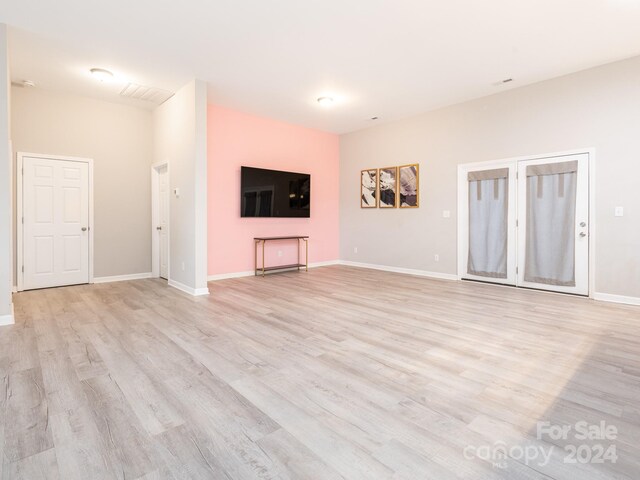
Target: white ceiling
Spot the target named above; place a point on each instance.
(383, 58)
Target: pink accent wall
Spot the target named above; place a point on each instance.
(237, 139)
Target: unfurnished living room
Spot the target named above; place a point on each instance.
(355, 239)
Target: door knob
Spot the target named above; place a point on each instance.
(582, 234)
(84, 229)
(158, 228)
(582, 224)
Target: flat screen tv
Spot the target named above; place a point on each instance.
(272, 193)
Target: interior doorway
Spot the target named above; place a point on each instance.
(526, 222)
(55, 221)
(160, 220)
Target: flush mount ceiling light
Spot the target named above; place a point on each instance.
(101, 74)
(325, 101)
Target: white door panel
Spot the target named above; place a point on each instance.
(56, 222)
(163, 227)
(576, 255)
(507, 190)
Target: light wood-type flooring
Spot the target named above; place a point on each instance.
(336, 373)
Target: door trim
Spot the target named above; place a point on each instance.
(591, 152)
(19, 210)
(155, 215)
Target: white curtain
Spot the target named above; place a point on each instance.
(551, 214)
(488, 223)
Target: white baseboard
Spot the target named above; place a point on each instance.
(14, 289)
(407, 271)
(196, 292)
(609, 297)
(122, 278)
(225, 276)
(251, 273)
(7, 319)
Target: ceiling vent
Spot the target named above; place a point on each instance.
(149, 94)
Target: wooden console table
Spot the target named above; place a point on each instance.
(263, 240)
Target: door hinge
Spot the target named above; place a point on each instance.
(516, 270)
(23, 220)
(516, 222)
(23, 269)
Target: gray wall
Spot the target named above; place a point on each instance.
(597, 108)
(5, 178)
(119, 138)
(180, 128)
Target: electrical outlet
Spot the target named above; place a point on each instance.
(619, 212)
(279, 253)
(355, 249)
(446, 214)
(436, 257)
(183, 266)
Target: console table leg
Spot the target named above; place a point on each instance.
(263, 242)
(306, 247)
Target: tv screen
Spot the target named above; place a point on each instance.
(272, 193)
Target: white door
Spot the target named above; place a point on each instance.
(56, 222)
(526, 223)
(488, 244)
(163, 221)
(553, 224)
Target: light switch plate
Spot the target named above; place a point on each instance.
(446, 214)
(619, 212)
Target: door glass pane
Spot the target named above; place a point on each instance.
(488, 223)
(550, 236)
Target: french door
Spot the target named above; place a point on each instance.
(55, 222)
(525, 223)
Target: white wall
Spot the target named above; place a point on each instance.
(119, 138)
(6, 313)
(180, 139)
(597, 108)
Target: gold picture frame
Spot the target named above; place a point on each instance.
(388, 187)
(369, 196)
(409, 185)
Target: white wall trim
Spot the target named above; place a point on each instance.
(226, 276)
(250, 273)
(609, 297)
(7, 319)
(407, 271)
(122, 278)
(196, 292)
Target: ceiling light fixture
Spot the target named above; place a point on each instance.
(101, 74)
(325, 101)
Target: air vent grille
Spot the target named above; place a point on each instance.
(149, 94)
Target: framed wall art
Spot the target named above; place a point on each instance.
(409, 185)
(388, 187)
(369, 188)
